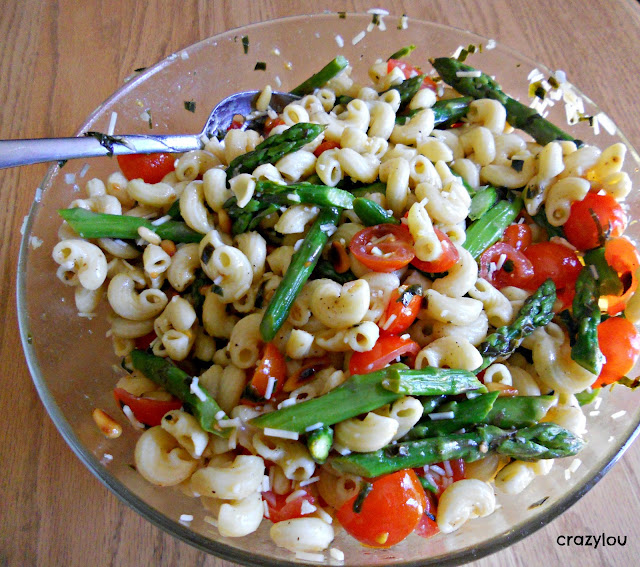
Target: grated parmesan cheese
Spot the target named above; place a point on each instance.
(309, 481)
(282, 433)
(358, 38)
(618, 414)
(186, 518)
(112, 124)
(306, 556)
(474, 73)
(195, 389)
(441, 415)
(339, 40)
(314, 426)
(132, 418)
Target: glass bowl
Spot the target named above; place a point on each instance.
(71, 360)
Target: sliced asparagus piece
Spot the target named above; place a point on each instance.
(487, 230)
(101, 225)
(542, 441)
(180, 384)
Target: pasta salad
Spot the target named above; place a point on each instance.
(372, 310)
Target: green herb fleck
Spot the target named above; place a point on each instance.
(190, 105)
(508, 266)
(29, 338)
(260, 66)
(62, 163)
(150, 120)
(553, 82)
(217, 290)
(245, 43)
(207, 252)
(517, 164)
(365, 489)
(106, 141)
(140, 69)
(538, 503)
(375, 20)
(409, 293)
(342, 15)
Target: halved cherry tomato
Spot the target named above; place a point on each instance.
(453, 472)
(383, 247)
(409, 72)
(235, 125)
(309, 368)
(518, 236)
(427, 526)
(386, 349)
(619, 341)
(272, 365)
(582, 230)
(515, 268)
(445, 262)
(151, 168)
(271, 123)
(622, 256)
(555, 261)
(146, 410)
(324, 146)
(143, 343)
(388, 513)
(401, 311)
(281, 510)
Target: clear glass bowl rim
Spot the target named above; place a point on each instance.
(179, 530)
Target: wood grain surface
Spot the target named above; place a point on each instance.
(58, 61)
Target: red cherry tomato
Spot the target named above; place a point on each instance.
(151, 168)
(272, 365)
(582, 230)
(386, 349)
(388, 513)
(146, 410)
(445, 262)
(619, 341)
(383, 247)
(518, 236)
(555, 261)
(271, 123)
(622, 256)
(324, 146)
(398, 317)
(427, 526)
(281, 510)
(515, 268)
(409, 72)
(453, 472)
(143, 343)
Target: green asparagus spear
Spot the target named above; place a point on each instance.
(431, 381)
(407, 89)
(321, 77)
(542, 441)
(536, 311)
(482, 202)
(431, 403)
(487, 230)
(362, 191)
(359, 394)
(403, 52)
(507, 412)
(461, 414)
(609, 282)
(319, 443)
(196, 400)
(275, 147)
(586, 312)
(370, 213)
(449, 111)
(483, 86)
(588, 396)
(100, 225)
(445, 112)
(519, 411)
(302, 264)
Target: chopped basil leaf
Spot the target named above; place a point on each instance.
(342, 15)
(190, 105)
(260, 66)
(517, 164)
(106, 141)
(409, 293)
(245, 43)
(140, 69)
(367, 487)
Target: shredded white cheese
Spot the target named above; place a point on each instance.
(314, 426)
(618, 414)
(271, 383)
(282, 433)
(195, 389)
(358, 38)
(112, 124)
(132, 418)
(309, 481)
(474, 73)
(307, 508)
(84, 170)
(306, 556)
(339, 40)
(186, 518)
(227, 423)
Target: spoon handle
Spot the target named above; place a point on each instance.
(23, 152)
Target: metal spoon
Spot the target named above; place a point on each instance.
(23, 152)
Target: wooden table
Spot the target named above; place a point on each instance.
(58, 61)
